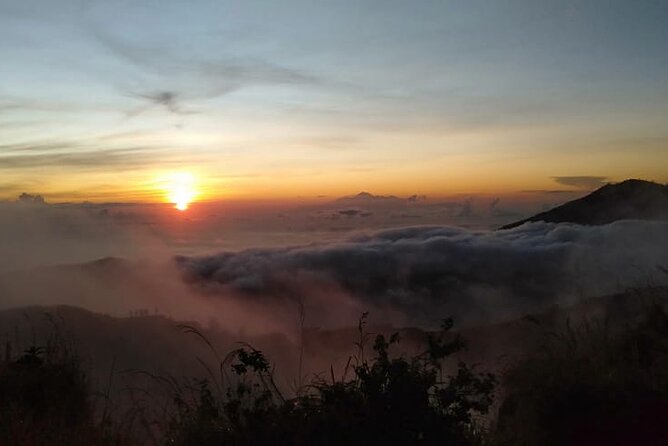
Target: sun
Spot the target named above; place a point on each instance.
(181, 189)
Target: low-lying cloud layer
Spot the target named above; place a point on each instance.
(419, 274)
(411, 275)
(34, 233)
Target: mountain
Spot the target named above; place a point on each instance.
(630, 199)
(366, 197)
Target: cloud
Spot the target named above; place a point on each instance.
(83, 154)
(406, 276)
(369, 199)
(582, 182)
(92, 159)
(35, 233)
(497, 210)
(169, 78)
(167, 99)
(424, 273)
(415, 198)
(467, 208)
(550, 191)
(353, 212)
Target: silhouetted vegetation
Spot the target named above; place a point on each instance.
(592, 384)
(45, 398)
(599, 382)
(386, 400)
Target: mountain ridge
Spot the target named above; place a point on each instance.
(629, 199)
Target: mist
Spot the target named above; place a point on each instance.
(117, 262)
(34, 233)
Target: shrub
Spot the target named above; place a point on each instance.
(387, 400)
(45, 399)
(594, 384)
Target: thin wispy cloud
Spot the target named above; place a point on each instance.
(178, 77)
(83, 155)
(582, 182)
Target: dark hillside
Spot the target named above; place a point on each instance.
(630, 199)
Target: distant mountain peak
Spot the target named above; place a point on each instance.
(366, 196)
(630, 199)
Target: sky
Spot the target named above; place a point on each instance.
(106, 101)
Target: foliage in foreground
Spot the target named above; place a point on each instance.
(594, 384)
(45, 399)
(386, 401)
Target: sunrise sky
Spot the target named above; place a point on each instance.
(107, 100)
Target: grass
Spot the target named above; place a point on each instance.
(45, 399)
(382, 400)
(599, 382)
(596, 383)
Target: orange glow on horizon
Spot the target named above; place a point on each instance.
(180, 188)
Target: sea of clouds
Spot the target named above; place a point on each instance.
(404, 276)
(417, 275)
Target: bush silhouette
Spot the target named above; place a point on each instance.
(594, 384)
(386, 401)
(45, 399)
(597, 383)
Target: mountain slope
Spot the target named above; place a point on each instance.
(630, 199)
